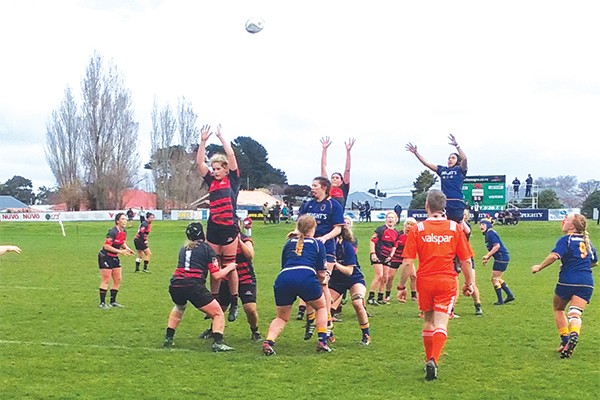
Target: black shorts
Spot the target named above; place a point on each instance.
(108, 262)
(246, 293)
(198, 295)
(221, 234)
(381, 260)
(140, 245)
(395, 264)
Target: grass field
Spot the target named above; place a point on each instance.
(56, 344)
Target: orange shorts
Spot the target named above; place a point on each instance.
(437, 293)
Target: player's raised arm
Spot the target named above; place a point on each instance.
(201, 156)
(325, 143)
(349, 144)
(231, 160)
(461, 153)
(413, 149)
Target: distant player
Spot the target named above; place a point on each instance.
(140, 242)
(109, 263)
(499, 252)
(575, 280)
(451, 176)
(382, 242)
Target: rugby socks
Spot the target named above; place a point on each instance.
(371, 296)
(574, 317)
(137, 264)
(322, 333)
(498, 290)
(437, 343)
(509, 294)
(170, 333)
(387, 294)
(427, 343)
(103, 295)
(365, 329)
(379, 297)
(234, 300)
(310, 317)
(564, 335)
(146, 265)
(113, 295)
(217, 337)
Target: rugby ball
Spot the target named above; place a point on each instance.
(255, 25)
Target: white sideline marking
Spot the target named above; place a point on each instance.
(29, 288)
(92, 346)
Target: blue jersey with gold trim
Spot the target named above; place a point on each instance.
(576, 260)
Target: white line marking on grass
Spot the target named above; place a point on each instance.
(91, 346)
(29, 288)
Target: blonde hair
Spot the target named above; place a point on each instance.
(580, 224)
(408, 222)
(304, 225)
(219, 158)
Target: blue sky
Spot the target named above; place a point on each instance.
(516, 82)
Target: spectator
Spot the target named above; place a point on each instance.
(528, 185)
(367, 211)
(516, 183)
(265, 212)
(398, 211)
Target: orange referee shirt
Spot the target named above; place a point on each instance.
(435, 242)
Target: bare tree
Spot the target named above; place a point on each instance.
(63, 139)
(164, 126)
(109, 153)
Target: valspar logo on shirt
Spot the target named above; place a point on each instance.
(439, 239)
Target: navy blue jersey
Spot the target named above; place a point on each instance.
(345, 254)
(451, 181)
(576, 260)
(309, 252)
(328, 214)
(491, 239)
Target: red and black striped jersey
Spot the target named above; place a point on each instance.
(143, 231)
(400, 242)
(384, 239)
(193, 265)
(244, 268)
(115, 238)
(223, 197)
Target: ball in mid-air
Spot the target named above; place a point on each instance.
(255, 25)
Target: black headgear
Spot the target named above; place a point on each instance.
(194, 231)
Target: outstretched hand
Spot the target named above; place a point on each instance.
(452, 140)
(219, 134)
(411, 147)
(325, 142)
(349, 143)
(205, 133)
